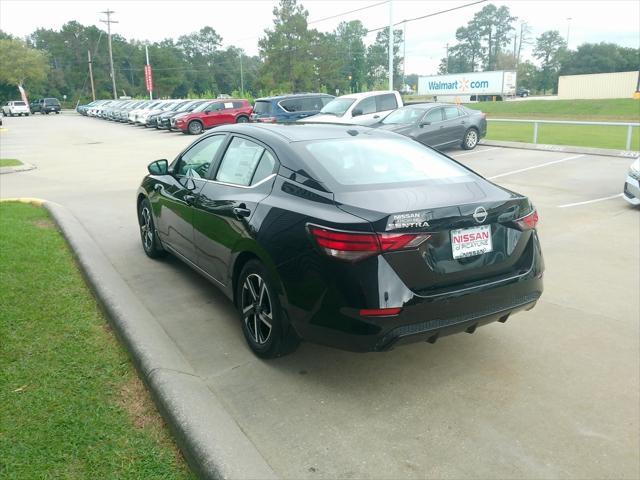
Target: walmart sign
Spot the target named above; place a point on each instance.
(475, 83)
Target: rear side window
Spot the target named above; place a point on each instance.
(240, 162)
(386, 102)
(262, 107)
(311, 104)
(265, 168)
(451, 112)
(238, 104)
(291, 105)
(370, 161)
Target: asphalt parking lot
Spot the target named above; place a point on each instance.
(553, 393)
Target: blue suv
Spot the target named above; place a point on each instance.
(288, 108)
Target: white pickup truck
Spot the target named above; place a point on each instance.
(16, 107)
(364, 108)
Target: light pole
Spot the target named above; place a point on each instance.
(568, 30)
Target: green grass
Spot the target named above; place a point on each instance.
(9, 162)
(71, 405)
(576, 135)
(620, 109)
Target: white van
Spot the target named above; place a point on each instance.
(358, 108)
(17, 107)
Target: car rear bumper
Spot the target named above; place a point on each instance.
(423, 318)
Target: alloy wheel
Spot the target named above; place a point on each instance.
(146, 228)
(472, 138)
(257, 312)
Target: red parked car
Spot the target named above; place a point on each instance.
(216, 112)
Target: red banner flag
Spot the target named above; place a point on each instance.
(148, 78)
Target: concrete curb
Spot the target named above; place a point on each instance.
(25, 167)
(212, 442)
(562, 148)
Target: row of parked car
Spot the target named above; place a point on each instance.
(435, 124)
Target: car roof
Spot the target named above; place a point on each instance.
(301, 132)
(277, 98)
(366, 94)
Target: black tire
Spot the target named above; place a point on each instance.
(195, 127)
(150, 243)
(471, 139)
(46, 113)
(264, 324)
(57, 113)
(242, 119)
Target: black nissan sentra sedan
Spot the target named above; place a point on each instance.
(343, 235)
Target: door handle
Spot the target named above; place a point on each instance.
(376, 116)
(189, 199)
(241, 211)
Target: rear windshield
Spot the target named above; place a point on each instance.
(52, 101)
(19, 104)
(375, 161)
(262, 107)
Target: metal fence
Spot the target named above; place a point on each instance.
(629, 126)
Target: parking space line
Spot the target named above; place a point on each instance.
(590, 201)
(478, 151)
(536, 166)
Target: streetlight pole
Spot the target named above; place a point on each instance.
(108, 21)
(568, 30)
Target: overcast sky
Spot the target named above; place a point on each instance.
(242, 22)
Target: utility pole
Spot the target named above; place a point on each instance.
(390, 44)
(241, 76)
(108, 21)
(93, 88)
(568, 30)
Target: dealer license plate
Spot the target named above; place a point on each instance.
(467, 242)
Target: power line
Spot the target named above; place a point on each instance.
(428, 15)
(346, 13)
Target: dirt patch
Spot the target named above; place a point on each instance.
(134, 399)
(44, 223)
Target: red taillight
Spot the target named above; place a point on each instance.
(529, 221)
(356, 246)
(379, 312)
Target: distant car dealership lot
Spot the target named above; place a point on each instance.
(551, 393)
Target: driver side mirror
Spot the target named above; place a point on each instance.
(422, 124)
(159, 167)
(356, 112)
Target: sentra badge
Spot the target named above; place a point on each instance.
(408, 220)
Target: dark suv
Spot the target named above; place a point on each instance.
(45, 105)
(288, 108)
